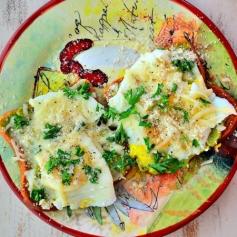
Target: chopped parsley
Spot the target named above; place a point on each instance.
(158, 90)
(92, 173)
(79, 151)
(109, 113)
(133, 96)
(19, 121)
(82, 90)
(118, 162)
(127, 113)
(120, 136)
(63, 162)
(52, 163)
(174, 87)
(167, 164)
(157, 156)
(63, 154)
(70, 93)
(205, 102)
(186, 116)
(37, 195)
(144, 123)
(98, 108)
(66, 177)
(148, 144)
(195, 143)
(69, 211)
(183, 65)
(51, 131)
(163, 102)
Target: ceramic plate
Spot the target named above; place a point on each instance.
(120, 30)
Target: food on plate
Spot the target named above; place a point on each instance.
(161, 115)
(167, 111)
(65, 161)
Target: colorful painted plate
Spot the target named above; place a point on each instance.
(119, 29)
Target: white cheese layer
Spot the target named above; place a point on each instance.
(76, 117)
(169, 132)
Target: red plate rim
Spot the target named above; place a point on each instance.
(161, 232)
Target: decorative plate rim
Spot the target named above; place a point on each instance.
(12, 41)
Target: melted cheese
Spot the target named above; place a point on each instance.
(56, 108)
(169, 132)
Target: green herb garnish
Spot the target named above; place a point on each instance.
(174, 87)
(157, 156)
(37, 195)
(51, 131)
(127, 113)
(205, 102)
(66, 177)
(62, 161)
(148, 144)
(69, 211)
(52, 163)
(82, 90)
(118, 162)
(158, 90)
(183, 65)
(185, 116)
(120, 136)
(168, 164)
(63, 154)
(110, 113)
(163, 102)
(92, 173)
(70, 93)
(133, 96)
(98, 108)
(144, 123)
(195, 143)
(19, 121)
(79, 151)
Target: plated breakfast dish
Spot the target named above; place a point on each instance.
(121, 148)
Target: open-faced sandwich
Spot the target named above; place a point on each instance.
(122, 145)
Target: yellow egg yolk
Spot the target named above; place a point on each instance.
(144, 159)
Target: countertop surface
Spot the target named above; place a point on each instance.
(218, 221)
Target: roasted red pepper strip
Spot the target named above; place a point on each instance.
(69, 65)
(226, 150)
